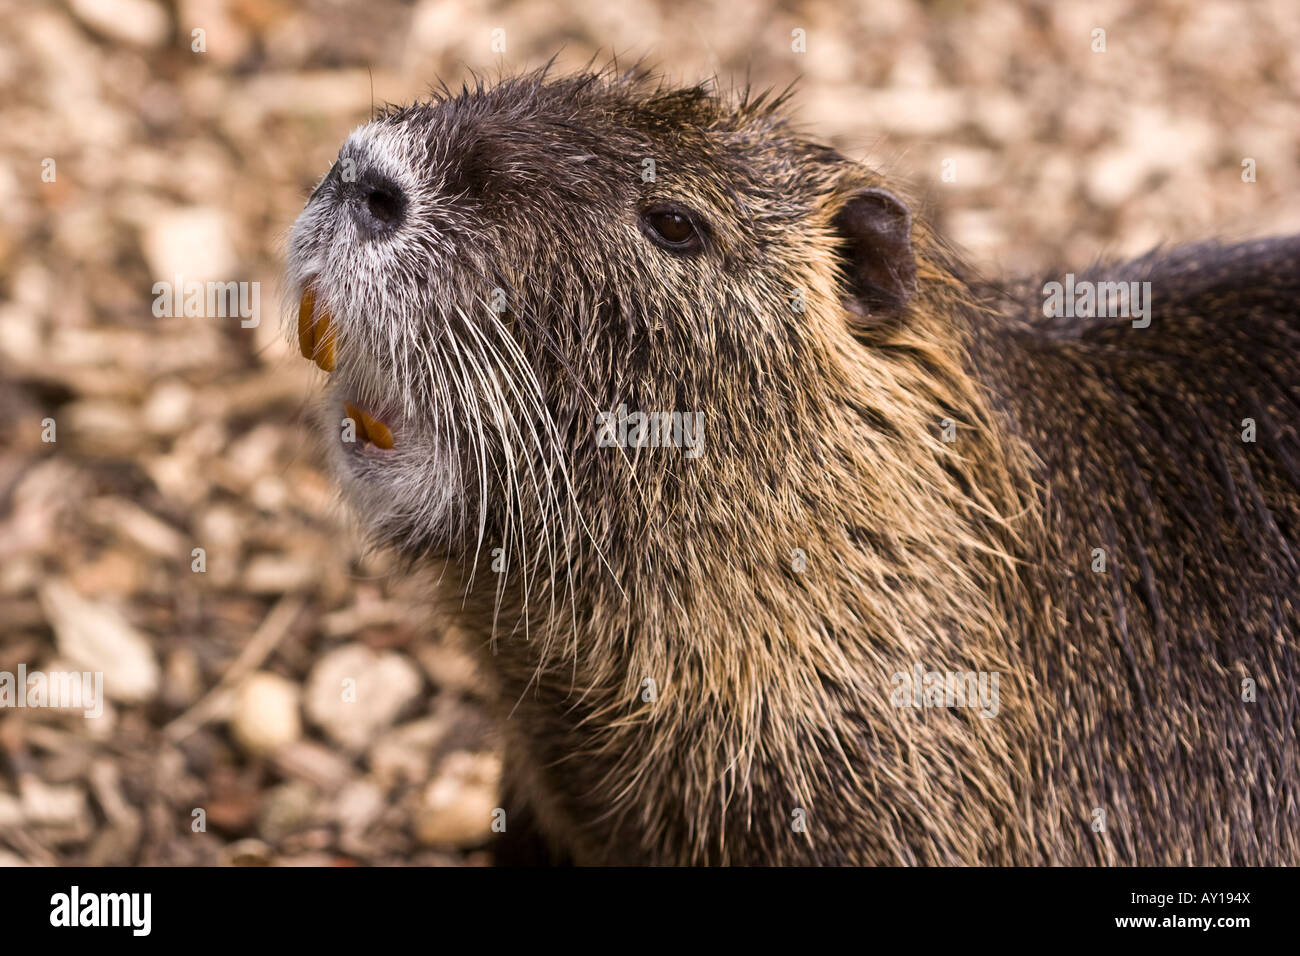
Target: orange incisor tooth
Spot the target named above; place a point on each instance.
(369, 429)
(315, 332)
(306, 324)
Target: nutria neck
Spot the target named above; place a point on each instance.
(754, 609)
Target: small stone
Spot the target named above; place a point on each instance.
(353, 693)
(358, 805)
(246, 853)
(457, 807)
(266, 714)
(52, 805)
(193, 243)
(320, 766)
(96, 638)
(286, 809)
(169, 408)
(140, 23)
(281, 574)
(403, 754)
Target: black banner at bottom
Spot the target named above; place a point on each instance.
(610, 907)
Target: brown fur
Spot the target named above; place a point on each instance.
(1119, 690)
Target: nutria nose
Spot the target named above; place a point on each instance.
(378, 206)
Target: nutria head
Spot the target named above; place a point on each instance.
(485, 273)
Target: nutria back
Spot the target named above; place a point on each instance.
(786, 539)
(1171, 449)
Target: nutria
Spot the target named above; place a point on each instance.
(932, 578)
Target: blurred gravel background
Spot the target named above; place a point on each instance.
(174, 434)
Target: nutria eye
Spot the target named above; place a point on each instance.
(671, 227)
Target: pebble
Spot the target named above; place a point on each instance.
(353, 693)
(286, 809)
(266, 715)
(192, 242)
(457, 806)
(95, 637)
(140, 23)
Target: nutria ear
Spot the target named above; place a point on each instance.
(876, 232)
